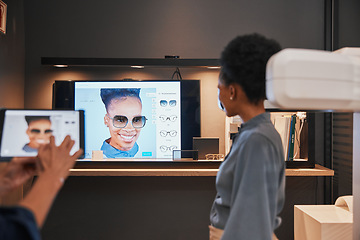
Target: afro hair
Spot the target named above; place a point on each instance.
(243, 61)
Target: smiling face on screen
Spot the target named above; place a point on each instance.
(39, 132)
(123, 138)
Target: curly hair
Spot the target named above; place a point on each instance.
(243, 61)
(108, 94)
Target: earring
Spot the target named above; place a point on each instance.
(231, 98)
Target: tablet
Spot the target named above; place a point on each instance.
(23, 131)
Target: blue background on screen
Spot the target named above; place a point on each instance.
(96, 131)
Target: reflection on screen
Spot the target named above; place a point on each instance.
(130, 119)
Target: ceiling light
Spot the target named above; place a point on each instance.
(213, 67)
(61, 66)
(139, 67)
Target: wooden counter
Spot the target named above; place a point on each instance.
(200, 169)
(317, 171)
(144, 172)
(105, 195)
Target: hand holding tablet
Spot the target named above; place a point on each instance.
(17, 172)
(32, 134)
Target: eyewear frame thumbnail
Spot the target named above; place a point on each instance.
(164, 133)
(164, 148)
(164, 103)
(171, 118)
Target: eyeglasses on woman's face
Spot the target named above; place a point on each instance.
(120, 121)
(38, 131)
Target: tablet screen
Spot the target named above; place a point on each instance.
(23, 131)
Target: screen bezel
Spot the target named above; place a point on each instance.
(64, 98)
(2, 122)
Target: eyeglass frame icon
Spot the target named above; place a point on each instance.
(171, 118)
(164, 148)
(164, 133)
(143, 119)
(164, 103)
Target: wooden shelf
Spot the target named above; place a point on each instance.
(177, 172)
(310, 172)
(145, 172)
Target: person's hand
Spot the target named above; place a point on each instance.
(17, 171)
(56, 161)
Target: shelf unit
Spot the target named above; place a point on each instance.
(308, 139)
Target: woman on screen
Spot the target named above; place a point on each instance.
(124, 120)
(39, 132)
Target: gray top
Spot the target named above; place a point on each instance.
(251, 183)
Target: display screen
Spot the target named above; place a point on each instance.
(23, 131)
(130, 119)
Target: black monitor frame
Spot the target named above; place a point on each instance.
(64, 98)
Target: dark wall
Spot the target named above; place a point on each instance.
(152, 29)
(12, 57)
(130, 208)
(191, 29)
(348, 33)
(342, 149)
(340, 125)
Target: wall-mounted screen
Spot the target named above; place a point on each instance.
(134, 119)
